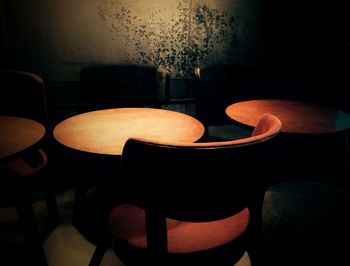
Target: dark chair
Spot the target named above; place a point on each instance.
(106, 86)
(192, 204)
(23, 94)
(220, 85)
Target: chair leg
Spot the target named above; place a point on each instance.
(104, 238)
(51, 206)
(254, 252)
(98, 255)
(255, 240)
(103, 242)
(79, 199)
(33, 239)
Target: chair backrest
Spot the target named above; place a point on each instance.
(123, 85)
(196, 182)
(22, 94)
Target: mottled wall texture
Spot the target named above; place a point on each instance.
(57, 38)
(179, 35)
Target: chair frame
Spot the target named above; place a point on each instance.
(24, 96)
(145, 162)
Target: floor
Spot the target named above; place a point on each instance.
(304, 223)
(65, 245)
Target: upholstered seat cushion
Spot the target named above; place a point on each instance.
(127, 221)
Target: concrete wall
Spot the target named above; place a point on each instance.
(57, 38)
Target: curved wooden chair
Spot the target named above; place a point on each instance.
(191, 204)
(23, 94)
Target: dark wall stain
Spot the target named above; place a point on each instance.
(178, 44)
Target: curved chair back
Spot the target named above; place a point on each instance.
(198, 182)
(22, 94)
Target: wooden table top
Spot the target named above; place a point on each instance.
(106, 131)
(296, 117)
(18, 134)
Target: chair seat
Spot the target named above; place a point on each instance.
(127, 221)
(20, 170)
(28, 165)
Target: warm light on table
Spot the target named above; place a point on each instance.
(106, 131)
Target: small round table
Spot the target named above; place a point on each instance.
(315, 137)
(18, 134)
(106, 131)
(296, 117)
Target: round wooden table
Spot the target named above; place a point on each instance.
(18, 134)
(315, 139)
(296, 117)
(106, 131)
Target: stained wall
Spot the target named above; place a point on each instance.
(58, 38)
